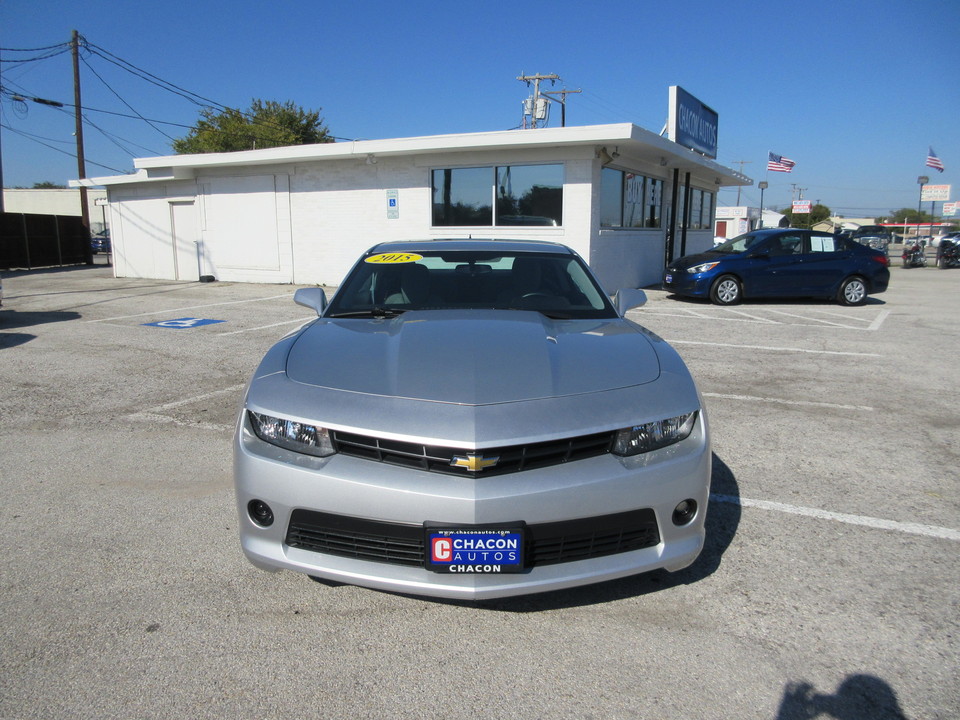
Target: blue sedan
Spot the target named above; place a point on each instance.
(781, 263)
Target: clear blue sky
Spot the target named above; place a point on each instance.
(853, 92)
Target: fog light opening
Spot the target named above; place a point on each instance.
(260, 513)
(685, 512)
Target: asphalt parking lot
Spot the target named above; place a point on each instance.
(829, 586)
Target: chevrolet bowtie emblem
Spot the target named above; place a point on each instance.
(473, 462)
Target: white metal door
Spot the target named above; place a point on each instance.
(186, 240)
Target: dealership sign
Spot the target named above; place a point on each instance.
(801, 206)
(950, 209)
(691, 123)
(935, 193)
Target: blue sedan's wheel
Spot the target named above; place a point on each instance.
(726, 290)
(853, 291)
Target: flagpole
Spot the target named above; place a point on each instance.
(923, 180)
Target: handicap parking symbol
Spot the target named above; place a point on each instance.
(183, 323)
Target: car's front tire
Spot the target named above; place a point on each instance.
(726, 290)
(853, 291)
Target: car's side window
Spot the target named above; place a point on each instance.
(786, 245)
(823, 243)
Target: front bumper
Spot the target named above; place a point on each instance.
(681, 282)
(359, 492)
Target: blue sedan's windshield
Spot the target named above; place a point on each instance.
(739, 243)
(389, 283)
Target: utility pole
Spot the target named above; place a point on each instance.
(1, 170)
(741, 163)
(534, 107)
(563, 102)
(81, 164)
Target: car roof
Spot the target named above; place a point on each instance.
(764, 232)
(506, 246)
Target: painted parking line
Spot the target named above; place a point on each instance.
(771, 348)
(170, 311)
(814, 319)
(863, 520)
(265, 327)
(159, 414)
(797, 403)
(806, 319)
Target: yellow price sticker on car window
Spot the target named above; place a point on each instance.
(393, 258)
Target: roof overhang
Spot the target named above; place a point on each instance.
(622, 143)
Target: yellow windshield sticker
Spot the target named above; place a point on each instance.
(393, 258)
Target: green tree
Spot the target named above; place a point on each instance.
(265, 125)
(47, 185)
(818, 213)
(908, 215)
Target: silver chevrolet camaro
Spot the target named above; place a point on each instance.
(471, 419)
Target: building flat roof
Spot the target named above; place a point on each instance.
(623, 140)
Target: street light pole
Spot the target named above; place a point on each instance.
(763, 185)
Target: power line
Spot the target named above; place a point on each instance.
(107, 85)
(70, 154)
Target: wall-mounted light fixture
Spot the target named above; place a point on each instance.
(604, 157)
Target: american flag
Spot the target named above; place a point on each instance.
(778, 163)
(934, 162)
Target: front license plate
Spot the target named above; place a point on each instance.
(668, 279)
(474, 551)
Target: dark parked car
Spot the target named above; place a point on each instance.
(781, 263)
(876, 236)
(100, 243)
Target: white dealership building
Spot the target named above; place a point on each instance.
(626, 199)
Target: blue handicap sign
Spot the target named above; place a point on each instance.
(183, 323)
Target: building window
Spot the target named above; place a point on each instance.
(520, 194)
(530, 195)
(611, 198)
(696, 205)
(633, 201)
(654, 196)
(462, 196)
(629, 200)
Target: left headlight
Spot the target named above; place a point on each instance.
(702, 267)
(653, 435)
(291, 435)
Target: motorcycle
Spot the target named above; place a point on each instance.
(948, 254)
(913, 256)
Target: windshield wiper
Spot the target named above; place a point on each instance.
(376, 312)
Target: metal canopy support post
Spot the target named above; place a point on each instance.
(685, 220)
(672, 227)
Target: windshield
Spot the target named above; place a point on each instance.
(387, 284)
(739, 243)
(870, 230)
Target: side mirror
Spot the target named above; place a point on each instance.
(314, 298)
(627, 299)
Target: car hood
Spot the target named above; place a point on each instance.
(691, 260)
(472, 358)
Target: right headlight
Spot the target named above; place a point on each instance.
(291, 435)
(653, 435)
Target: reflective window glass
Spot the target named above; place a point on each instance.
(462, 196)
(530, 195)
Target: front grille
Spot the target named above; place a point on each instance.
(399, 544)
(511, 458)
